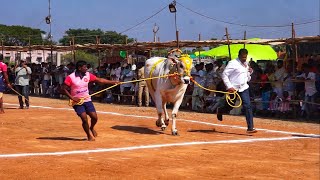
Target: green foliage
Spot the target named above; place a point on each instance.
(81, 55)
(84, 36)
(19, 35)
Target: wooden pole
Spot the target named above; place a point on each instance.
(177, 32)
(2, 45)
(127, 50)
(30, 49)
(244, 38)
(294, 45)
(73, 51)
(227, 35)
(97, 43)
(199, 48)
(295, 60)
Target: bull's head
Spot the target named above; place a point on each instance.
(182, 66)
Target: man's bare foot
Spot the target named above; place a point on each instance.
(91, 138)
(94, 132)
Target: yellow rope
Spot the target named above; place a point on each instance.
(229, 100)
(72, 103)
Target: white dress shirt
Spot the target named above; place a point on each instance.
(236, 75)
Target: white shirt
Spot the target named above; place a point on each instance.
(236, 75)
(279, 76)
(310, 85)
(199, 77)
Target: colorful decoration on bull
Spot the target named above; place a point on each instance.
(187, 61)
(175, 53)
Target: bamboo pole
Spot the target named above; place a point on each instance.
(227, 35)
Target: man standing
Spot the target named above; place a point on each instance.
(197, 95)
(236, 76)
(78, 83)
(23, 73)
(142, 86)
(3, 74)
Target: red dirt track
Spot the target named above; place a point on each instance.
(48, 130)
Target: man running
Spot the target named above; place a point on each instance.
(3, 77)
(78, 83)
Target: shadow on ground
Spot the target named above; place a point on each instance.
(62, 138)
(215, 131)
(135, 129)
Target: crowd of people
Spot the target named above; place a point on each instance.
(278, 90)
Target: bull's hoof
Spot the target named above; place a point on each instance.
(175, 133)
(158, 124)
(163, 127)
(166, 122)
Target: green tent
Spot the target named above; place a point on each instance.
(255, 51)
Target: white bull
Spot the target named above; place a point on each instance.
(168, 89)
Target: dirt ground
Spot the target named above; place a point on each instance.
(47, 142)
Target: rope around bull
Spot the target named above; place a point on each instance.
(81, 101)
(229, 100)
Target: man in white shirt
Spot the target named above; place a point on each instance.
(236, 76)
(279, 76)
(310, 90)
(23, 73)
(197, 95)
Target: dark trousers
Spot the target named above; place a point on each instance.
(245, 96)
(246, 104)
(23, 90)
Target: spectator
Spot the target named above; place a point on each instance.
(143, 88)
(23, 74)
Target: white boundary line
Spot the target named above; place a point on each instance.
(302, 136)
(131, 148)
(185, 120)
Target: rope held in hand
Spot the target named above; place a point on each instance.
(229, 100)
(81, 101)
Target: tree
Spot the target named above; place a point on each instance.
(19, 35)
(80, 55)
(83, 36)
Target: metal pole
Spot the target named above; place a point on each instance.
(227, 35)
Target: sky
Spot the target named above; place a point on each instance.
(209, 18)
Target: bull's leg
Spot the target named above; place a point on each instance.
(160, 122)
(166, 117)
(176, 106)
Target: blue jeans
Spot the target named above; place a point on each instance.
(246, 104)
(23, 90)
(265, 99)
